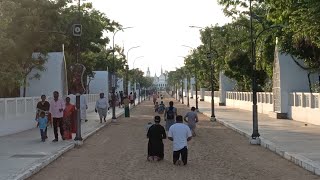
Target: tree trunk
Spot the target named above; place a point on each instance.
(24, 86)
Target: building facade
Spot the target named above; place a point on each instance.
(159, 82)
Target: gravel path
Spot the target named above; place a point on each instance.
(118, 152)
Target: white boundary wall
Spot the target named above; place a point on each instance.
(304, 107)
(243, 100)
(18, 114)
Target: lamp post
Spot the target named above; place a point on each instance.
(127, 80)
(135, 84)
(255, 133)
(188, 96)
(113, 79)
(188, 79)
(135, 61)
(182, 83)
(77, 67)
(209, 56)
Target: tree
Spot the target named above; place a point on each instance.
(300, 32)
(29, 26)
(25, 21)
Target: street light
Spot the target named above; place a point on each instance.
(113, 79)
(129, 51)
(255, 134)
(135, 88)
(127, 80)
(135, 61)
(188, 80)
(209, 56)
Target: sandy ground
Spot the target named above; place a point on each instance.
(118, 152)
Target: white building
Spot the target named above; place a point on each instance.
(53, 78)
(99, 83)
(159, 82)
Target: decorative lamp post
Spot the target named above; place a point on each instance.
(77, 71)
(113, 78)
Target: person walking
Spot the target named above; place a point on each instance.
(134, 98)
(42, 124)
(170, 115)
(57, 107)
(131, 98)
(155, 97)
(126, 104)
(161, 108)
(180, 134)
(69, 119)
(192, 120)
(121, 98)
(156, 134)
(102, 107)
(44, 106)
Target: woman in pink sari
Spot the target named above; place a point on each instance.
(69, 119)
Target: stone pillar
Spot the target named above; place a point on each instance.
(129, 87)
(287, 77)
(202, 93)
(185, 87)
(191, 89)
(225, 84)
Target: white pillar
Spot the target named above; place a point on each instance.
(185, 87)
(225, 84)
(129, 87)
(192, 84)
(202, 93)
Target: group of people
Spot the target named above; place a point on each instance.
(62, 114)
(59, 113)
(178, 132)
(119, 97)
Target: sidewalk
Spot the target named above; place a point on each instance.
(23, 154)
(290, 139)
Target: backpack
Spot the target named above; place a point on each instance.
(170, 113)
(161, 109)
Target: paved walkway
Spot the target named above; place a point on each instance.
(290, 139)
(23, 153)
(119, 152)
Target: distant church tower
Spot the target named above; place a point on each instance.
(148, 72)
(161, 70)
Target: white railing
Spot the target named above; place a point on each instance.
(208, 93)
(304, 107)
(18, 106)
(17, 114)
(262, 97)
(306, 100)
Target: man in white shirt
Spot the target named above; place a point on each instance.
(102, 107)
(180, 134)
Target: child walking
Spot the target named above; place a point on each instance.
(43, 123)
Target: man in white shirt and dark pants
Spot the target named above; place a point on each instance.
(180, 134)
(102, 107)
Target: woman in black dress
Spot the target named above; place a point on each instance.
(156, 134)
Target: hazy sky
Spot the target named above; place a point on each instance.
(161, 27)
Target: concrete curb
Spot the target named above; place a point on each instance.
(297, 159)
(42, 163)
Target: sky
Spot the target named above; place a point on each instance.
(160, 28)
